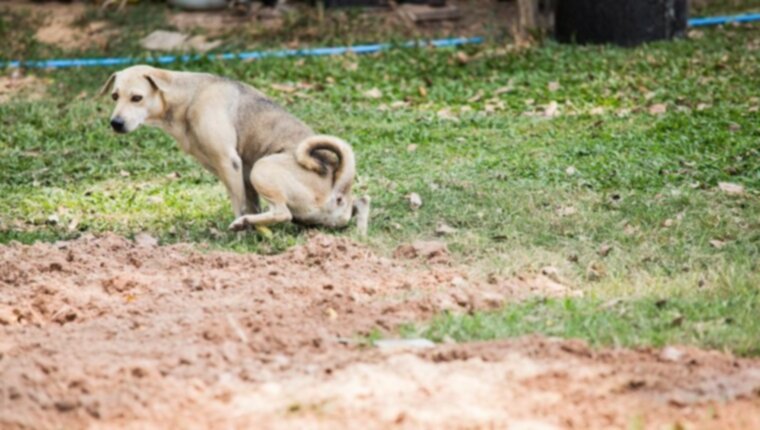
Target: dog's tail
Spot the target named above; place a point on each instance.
(344, 173)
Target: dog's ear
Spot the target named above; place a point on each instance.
(159, 80)
(108, 85)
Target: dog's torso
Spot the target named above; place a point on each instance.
(262, 127)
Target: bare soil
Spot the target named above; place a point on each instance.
(106, 332)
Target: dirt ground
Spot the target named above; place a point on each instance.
(105, 332)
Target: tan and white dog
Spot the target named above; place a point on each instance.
(250, 143)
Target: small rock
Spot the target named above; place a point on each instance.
(145, 240)
(395, 345)
(7, 316)
(553, 86)
(161, 40)
(459, 282)
(415, 201)
(53, 219)
(731, 188)
(412, 147)
(670, 353)
(570, 171)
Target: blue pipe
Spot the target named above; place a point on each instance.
(313, 52)
(720, 20)
(253, 55)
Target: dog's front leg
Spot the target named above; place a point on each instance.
(229, 172)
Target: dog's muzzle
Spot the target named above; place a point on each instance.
(118, 125)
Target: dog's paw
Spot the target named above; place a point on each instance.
(239, 224)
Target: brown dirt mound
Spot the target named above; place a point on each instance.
(104, 332)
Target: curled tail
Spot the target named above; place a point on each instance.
(344, 173)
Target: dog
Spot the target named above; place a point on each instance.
(255, 147)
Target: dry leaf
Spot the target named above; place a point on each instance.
(462, 57)
(630, 230)
(717, 244)
(567, 211)
(124, 173)
(604, 250)
(422, 90)
(595, 271)
(351, 66)
(412, 147)
(73, 224)
(597, 111)
(443, 229)
(285, 88)
(731, 188)
(570, 171)
(734, 127)
(446, 114)
(415, 201)
(553, 86)
(476, 97)
(551, 110)
(503, 90)
(703, 106)
(658, 109)
(373, 93)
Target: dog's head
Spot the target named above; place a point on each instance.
(138, 93)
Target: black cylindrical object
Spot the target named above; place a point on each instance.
(622, 22)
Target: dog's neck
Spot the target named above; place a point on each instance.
(168, 120)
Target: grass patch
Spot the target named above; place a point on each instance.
(724, 319)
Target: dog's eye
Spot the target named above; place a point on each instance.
(115, 96)
(136, 99)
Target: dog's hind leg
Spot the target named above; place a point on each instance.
(277, 213)
(272, 183)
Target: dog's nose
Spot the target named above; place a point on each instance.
(118, 125)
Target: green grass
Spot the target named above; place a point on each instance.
(644, 184)
(724, 319)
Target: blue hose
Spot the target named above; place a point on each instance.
(253, 55)
(313, 52)
(720, 20)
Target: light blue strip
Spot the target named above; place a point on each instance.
(254, 55)
(720, 20)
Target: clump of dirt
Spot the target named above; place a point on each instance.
(60, 26)
(112, 333)
(18, 85)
